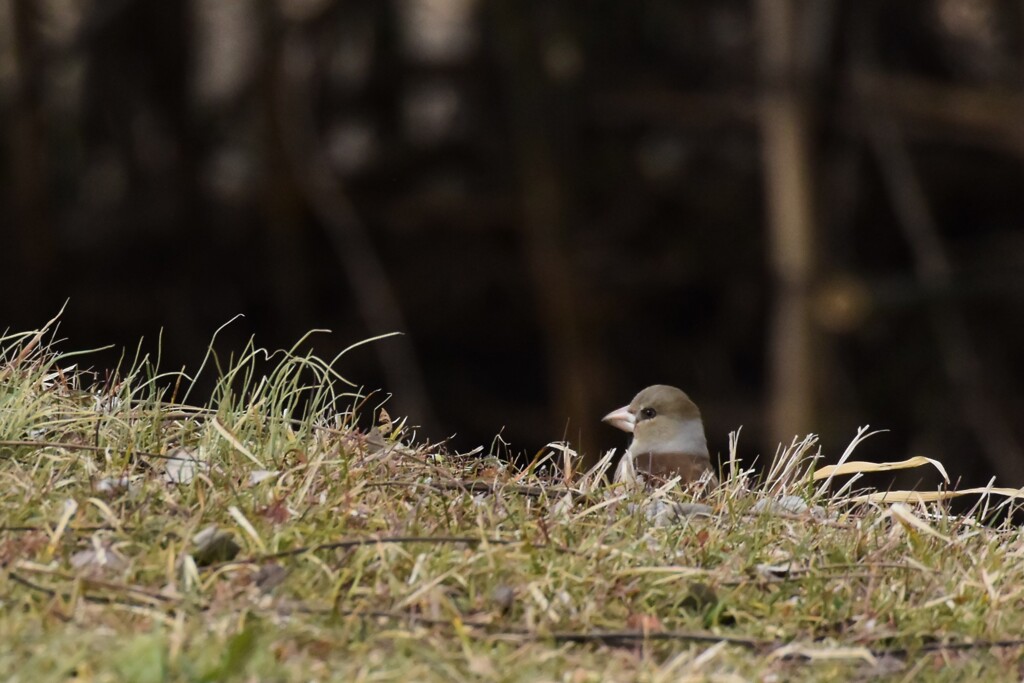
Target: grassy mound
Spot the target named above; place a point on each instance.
(264, 536)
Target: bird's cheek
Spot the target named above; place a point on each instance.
(650, 430)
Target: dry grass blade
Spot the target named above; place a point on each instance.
(31, 346)
(824, 653)
(934, 496)
(902, 514)
(235, 443)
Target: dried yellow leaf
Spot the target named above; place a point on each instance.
(860, 466)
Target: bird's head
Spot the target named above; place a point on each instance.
(661, 418)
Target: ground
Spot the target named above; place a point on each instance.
(286, 530)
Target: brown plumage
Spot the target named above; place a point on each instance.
(668, 436)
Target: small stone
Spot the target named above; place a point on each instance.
(111, 485)
(270, 576)
(503, 598)
(182, 466)
(699, 597)
(793, 505)
(214, 545)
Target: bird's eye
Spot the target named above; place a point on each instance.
(647, 413)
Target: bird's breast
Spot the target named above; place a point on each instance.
(689, 467)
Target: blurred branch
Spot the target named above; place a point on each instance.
(993, 116)
(94, 21)
(374, 295)
(657, 105)
(963, 364)
(984, 116)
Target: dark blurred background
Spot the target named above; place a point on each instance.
(805, 213)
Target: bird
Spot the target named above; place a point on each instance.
(668, 437)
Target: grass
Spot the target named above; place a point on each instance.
(264, 536)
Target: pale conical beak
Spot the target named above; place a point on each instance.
(621, 419)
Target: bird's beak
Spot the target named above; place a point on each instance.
(621, 419)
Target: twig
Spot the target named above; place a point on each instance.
(208, 413)
(477, 486)
(71, 529)
(487, 629)
(96, 599)
(604, 637)
(622, 637)
(628, 637)
(958, 645)
(100, 583)
(82, 447)
(358, 542)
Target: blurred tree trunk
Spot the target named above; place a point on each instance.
(375, 297)
(280, 197)
(785, 129)
(29, 237)
(537, 121)
(964, 365)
